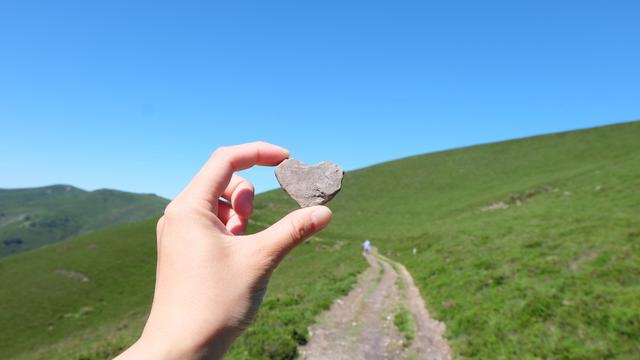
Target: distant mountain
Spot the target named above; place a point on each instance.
(33, 217)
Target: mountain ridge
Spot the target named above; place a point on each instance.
(33, 217)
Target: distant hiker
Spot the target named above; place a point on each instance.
(367, 246)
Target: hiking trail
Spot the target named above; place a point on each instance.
(361, 324)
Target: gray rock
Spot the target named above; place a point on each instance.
(310, 185)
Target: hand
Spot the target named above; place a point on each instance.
(210, 278)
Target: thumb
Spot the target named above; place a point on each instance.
(291, 230)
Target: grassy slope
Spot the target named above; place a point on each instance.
(558, 276)
(33, 217)
(50, 313)
(555, 277)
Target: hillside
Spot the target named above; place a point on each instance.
(525, 249)
(33, 217)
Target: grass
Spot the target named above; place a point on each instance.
(554, 272)
(45, 306)
(405, 324)
(557, 276)
(380, 272)
(49, 314)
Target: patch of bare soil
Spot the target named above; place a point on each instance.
(360, 325)
(73, 275)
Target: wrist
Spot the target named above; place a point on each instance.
(142, 350)
(185, 345)
(169, 349)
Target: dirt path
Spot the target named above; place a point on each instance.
(361, 325)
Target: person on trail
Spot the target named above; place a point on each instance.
(210, 278)
(367, 246)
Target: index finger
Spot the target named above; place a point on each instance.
(211, 181)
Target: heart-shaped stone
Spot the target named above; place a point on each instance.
(310, 185)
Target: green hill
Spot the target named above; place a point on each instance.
(525, 249)
(33, 217)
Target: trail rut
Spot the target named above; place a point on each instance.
(361, 325)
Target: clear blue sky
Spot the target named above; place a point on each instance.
(134, 95)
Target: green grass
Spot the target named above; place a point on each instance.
(49, 314)
(556, 274)
(45, 306)
(33, 217)
(406, 325)
(556, 277)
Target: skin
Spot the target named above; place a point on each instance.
(210, 279)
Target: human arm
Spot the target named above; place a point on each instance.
(210, 279)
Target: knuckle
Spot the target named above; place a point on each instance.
(220, 152)
(224, 155)
(248, 185)
(298, 229)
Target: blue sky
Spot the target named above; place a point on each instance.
(134, 95)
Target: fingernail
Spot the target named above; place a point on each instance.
(320, 217)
